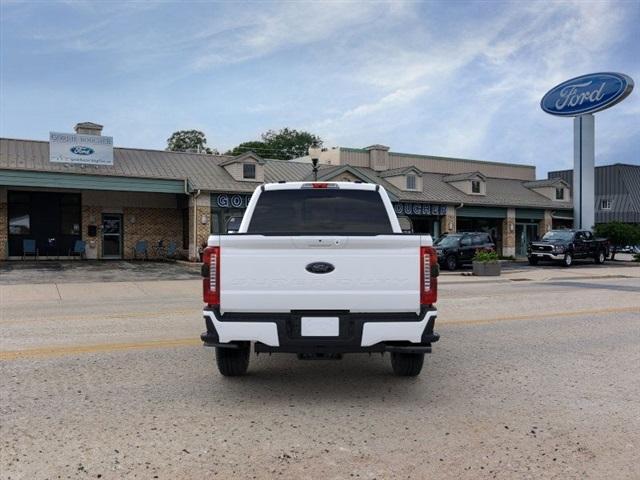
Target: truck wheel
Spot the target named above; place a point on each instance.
(568, 260)
(533, 261)
(451, 262)
(233, 362)
(600, 257)
(407, 364)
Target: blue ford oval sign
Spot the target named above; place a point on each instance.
(79, 150)
(587, 94)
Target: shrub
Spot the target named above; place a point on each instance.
(619, 234)
(482, 256)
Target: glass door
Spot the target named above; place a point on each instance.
(525, 233)
(112, 235)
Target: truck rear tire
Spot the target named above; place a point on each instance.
(407, 364)
(451, 262)
(233, 362)
(600, 257)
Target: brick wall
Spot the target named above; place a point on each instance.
(449, 220)
(92, 216)
(509, 233)
(203, 230)
(152, 225)
(545, 224)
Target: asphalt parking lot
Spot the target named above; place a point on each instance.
(535, 377)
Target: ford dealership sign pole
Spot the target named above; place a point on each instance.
(580, 97)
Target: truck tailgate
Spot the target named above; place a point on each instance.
(269, 273)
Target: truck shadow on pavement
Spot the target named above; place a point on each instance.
(278, 379)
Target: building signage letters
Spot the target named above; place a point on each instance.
(232, 201)
(587, 94)
(405, 208)
(80, 149)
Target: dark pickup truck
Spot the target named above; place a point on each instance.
(565, 246)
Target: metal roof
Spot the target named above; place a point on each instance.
(547, 182)
(205, 172)
(463, 176)
(400, 171)
(620, 184)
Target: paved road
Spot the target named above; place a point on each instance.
(532, 379)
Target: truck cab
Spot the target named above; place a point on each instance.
(319, 270)
(564, 246)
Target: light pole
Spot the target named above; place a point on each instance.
(314, 153)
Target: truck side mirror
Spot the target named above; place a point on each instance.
(233, 224)
(406, 225)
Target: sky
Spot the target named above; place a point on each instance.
(450, 78)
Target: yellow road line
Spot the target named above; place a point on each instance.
(190, 342)
(37, 318)
(105, 347)
(537, 316)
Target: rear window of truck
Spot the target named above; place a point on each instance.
(320, 212)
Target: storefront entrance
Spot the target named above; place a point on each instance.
(426, 225)
(525, 233)
(112, 235)
(51, 219)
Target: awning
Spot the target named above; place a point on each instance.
(30, 178)
(556, 216)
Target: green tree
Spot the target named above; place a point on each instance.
(619, 234)
(188, 141)
(283, 144)
(257, 147)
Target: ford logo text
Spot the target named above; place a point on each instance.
(319, 267)
(587, 94)
(79, 150)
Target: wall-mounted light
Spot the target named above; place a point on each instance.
(511, 227)
(450, 225)
(132, 219)
(203, 220)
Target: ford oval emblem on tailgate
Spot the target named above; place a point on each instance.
(320, 267)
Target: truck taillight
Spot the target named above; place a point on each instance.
(211, 275)
(428, 275)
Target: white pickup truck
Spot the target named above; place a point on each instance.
(320, 269)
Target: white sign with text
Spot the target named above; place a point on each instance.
(80, 149)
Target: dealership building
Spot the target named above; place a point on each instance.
(113, 198)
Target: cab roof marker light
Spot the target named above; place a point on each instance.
(319, 185)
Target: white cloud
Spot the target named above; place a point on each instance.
(258, 33)
(483, 80)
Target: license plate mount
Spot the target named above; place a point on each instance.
(320, 326)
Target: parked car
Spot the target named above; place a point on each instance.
(320, 269)
(456, 249)
(629, 249)
(565, 246)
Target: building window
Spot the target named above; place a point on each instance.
(249, 171)
(475, 186)
(559, 193)
(605, 204)
(411, 182)
(19, 213)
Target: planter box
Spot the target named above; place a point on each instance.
(486, 269)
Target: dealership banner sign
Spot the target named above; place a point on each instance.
(80, 149)
(406, 208)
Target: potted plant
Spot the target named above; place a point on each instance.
(486, 264)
